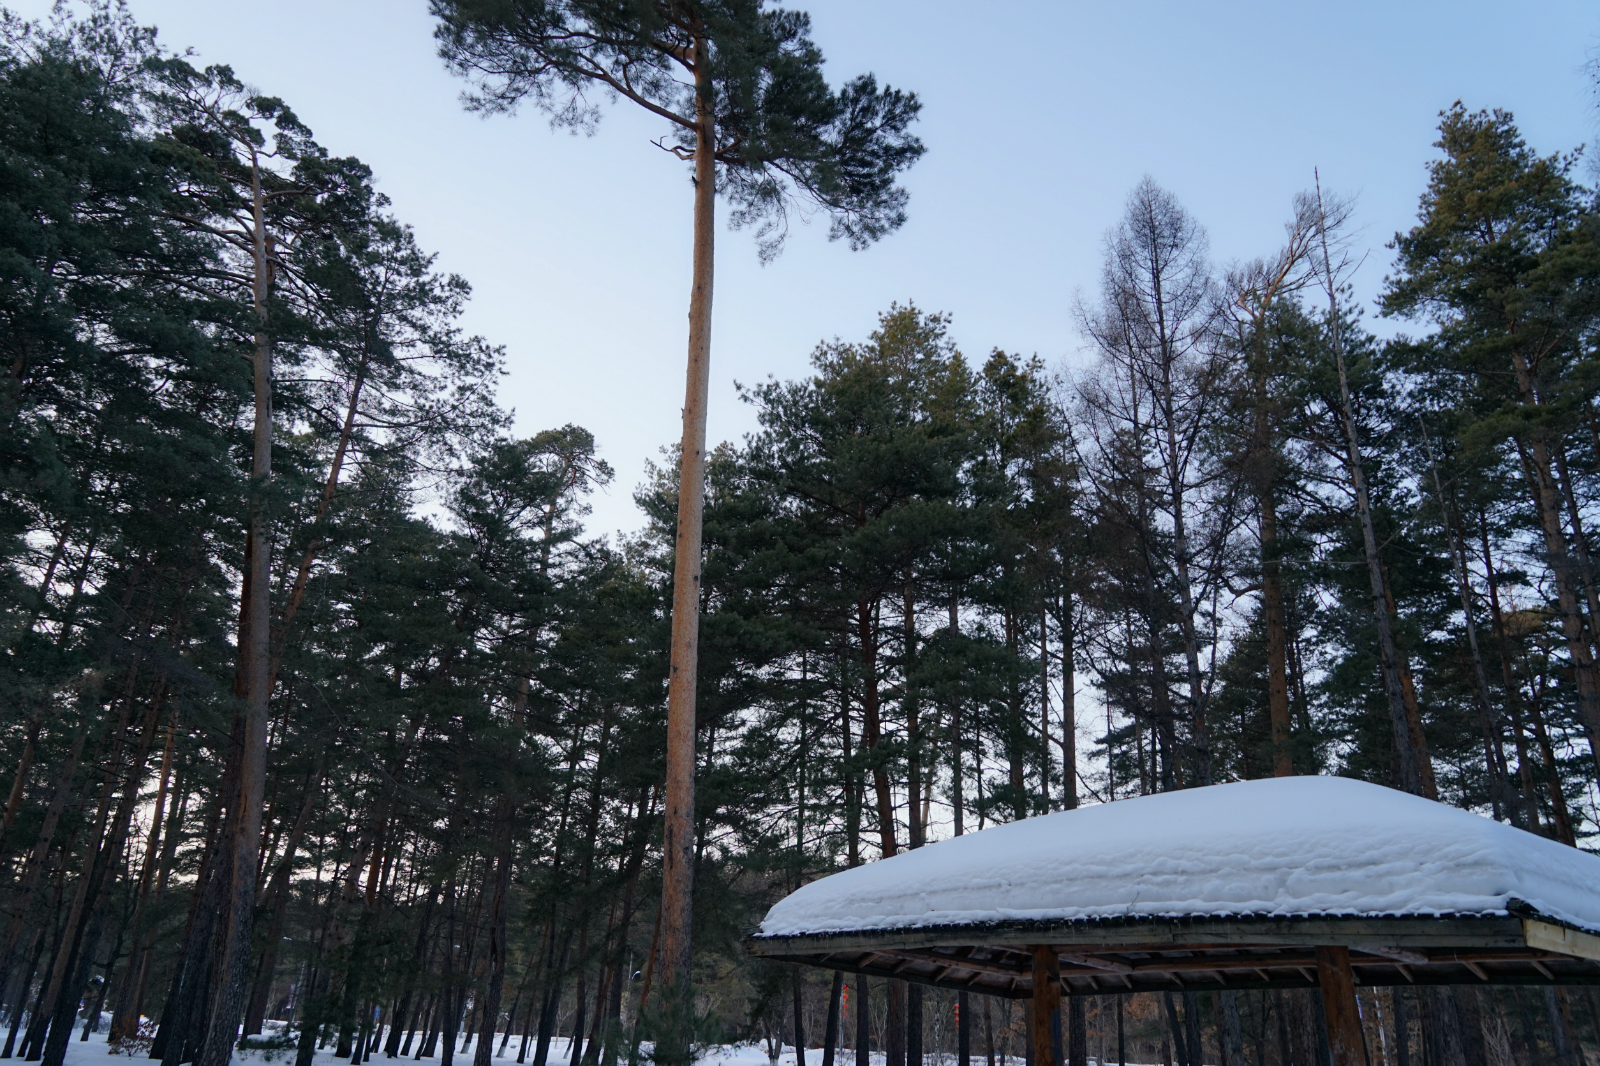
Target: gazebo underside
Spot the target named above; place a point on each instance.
(1158, 955)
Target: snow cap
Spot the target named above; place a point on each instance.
(1278, 847)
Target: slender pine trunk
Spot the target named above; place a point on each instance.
(1494, 756)
(677, 877)
(1264, 467)
(234, 963)
(1408, 771)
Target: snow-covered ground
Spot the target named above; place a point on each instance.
(93, 1052)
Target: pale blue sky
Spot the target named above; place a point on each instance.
(1039, 118)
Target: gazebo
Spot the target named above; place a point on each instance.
(1295, 882)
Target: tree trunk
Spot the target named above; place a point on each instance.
(830, 1032)
(914, 831)
(1408, 770)
(1122, 1046)
(35, 866)
(1164, 774)
(1402, 1028)
(988, 1033)
(1191, 1028)
(797, 987)
(187, 994)
(1541, 483)
(1272, 617)
(125, 1020)
(1199, 736)
(81, 960)
(1494, 756)
(497, 938)
(575, 1043)
(1069, 705)
(1263, 467)
(1580, 541)
(277, 904)
(552, 1005)
(678, 840)
(1408, 695)
(1560, 817)
(70, 971)
(1016, 727)
(913, 1028)
(19, 782)
(1045, 766)
(863, 1022)
(1180, 1039)
(1339, 1008)
(871, 723)
(1077, 1033)
(20, 1002)
(233, 970)
(1564, 1038)
(1513, 691)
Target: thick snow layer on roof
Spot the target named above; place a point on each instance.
(1290, 846)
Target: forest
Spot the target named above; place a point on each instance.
(1251, 533)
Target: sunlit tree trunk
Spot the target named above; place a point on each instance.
(677, 873)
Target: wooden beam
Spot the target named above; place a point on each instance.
(1218, 963)
(1094, 962)
(1383, 951)
(1547, 937)
(1009, 990)
(1102, 936)
(1224, 969)
(965, 962)
(1345, 1041)
(1046, 999)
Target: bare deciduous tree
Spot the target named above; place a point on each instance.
(1153, 397)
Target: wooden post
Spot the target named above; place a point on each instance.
(1046, 999)
(1338, 1006)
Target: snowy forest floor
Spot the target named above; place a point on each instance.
(93, 1052)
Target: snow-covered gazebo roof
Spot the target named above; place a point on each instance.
(1231, 886)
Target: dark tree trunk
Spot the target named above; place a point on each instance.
(574, 1045)
(277, 904)
(19, 1004)
(863, 1022)
(830, 1032)
(1077, 1032)
(894, 1035)
(1175, 1026)
(798, 987)
(552, 1003)
(1402, 1028)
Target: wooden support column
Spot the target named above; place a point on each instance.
(1046, 999)
(1338, 1006)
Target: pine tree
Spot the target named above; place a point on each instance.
(1501, 261)
(740, 86)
